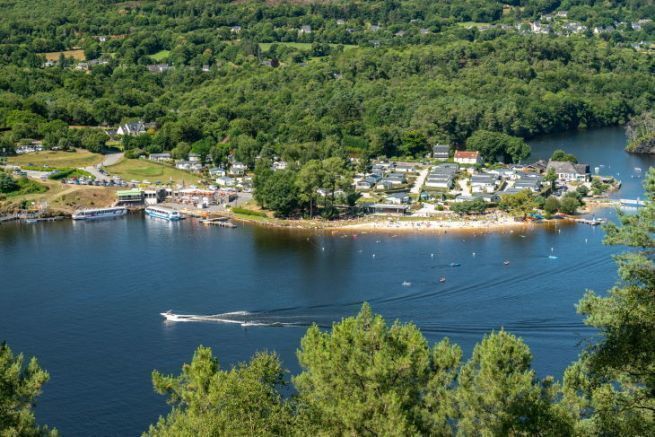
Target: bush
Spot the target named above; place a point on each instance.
(569, 204)
(551, 205)
(134, 153)
(582, 190)
(64, 173)
(7, 183)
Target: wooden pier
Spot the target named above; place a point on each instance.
(223, 222)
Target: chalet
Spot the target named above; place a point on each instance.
(341, 22)
(484, 183)
(504, 173)
(567, 171)
(366, 183)
(159, 157)
(387, 209)
(398, 198)
(217, 172)
(305, 29)
(238, 168)
(158, 68)
(182, 164)
(468, 157)
(131, 128)
(225, 181)
(384, 184)
(400, 33)
(441, 151)
(279, 165)
(405, 167)
(235, 29)
(194, 157)
(396, 178)
(529, 183)
(424, 31)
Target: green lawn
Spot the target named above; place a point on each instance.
(264, 46)
(141, 169)
(80, 158)
(161, 55)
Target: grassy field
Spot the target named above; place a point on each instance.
(59, 197)
(140, 170)
(80, 158)
(78, 55)
(161, 55)
(264, 46)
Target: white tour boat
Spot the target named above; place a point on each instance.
(163, 213)
(99, 213)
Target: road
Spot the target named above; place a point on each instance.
(111, 159)
(420, 180)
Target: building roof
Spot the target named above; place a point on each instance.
(440, 148)
(483, 179)
(467, 154)
(132, 192)
(568, 167)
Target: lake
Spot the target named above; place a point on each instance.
(85, 298)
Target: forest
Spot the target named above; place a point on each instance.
(269, 89)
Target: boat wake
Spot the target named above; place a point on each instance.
(243, 318)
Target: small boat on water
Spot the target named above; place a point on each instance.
(506, 262)
(99, 213)
(454, 264)
(442, 279)
(172, 317)
(163, 213)
(552, 257)
(407, 284)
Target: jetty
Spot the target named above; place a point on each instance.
(223, 222)
(632, 202)
(591, 222)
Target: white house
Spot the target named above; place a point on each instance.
(468, 157)
(567, 171)
(132, 128)
(484, 183)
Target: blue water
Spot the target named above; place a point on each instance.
(85, 298)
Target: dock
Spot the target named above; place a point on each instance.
(591, 222)
(632, 202)
(223, 222)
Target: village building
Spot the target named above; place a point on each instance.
(441, 151)
(468, 157)
(131, 128)
(484, 183)
(159, 157)
(568, 172)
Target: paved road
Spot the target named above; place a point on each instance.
(111, 159)
(420, 180)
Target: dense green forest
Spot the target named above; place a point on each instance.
(337, 90)
(365, 377)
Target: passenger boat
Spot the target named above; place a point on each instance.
(163, 213)
(99, 213)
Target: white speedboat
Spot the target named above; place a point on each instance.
(172, 317)
(99, 213)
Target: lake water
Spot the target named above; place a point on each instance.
(85, 298)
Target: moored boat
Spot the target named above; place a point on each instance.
(99, 213)
(163, 213)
